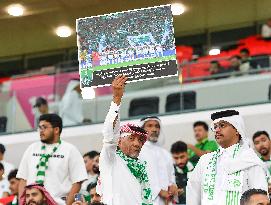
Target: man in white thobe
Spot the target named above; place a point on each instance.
(71, 108)
(123, 177)
(160, 165)
(221, 177)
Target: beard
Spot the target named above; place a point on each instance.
(154, 137)
(264, 151)
(35, 203)
(96, 170)
(49, 139)
(134, 155)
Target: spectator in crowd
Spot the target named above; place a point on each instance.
(4, 186)
(262, 145)
(123, 177)
(14, 186)
(216, 69)
(7, 166)
(42, 106)
(222, 176)
(182, 168)
(235, 62)
(52, 162)
(71, 109)
(91, 160)
(266, 29)
(204, 145)
(255, 197)
(159, 162)
(93, 193)
(36, 194)
(246, 61)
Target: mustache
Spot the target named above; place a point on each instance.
(31, 202)
(218, 134)
(154, 134)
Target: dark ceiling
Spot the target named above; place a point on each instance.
(34, 32)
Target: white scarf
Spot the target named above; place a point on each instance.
(243, 157)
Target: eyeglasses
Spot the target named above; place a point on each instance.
(220, 125)
(42, 128)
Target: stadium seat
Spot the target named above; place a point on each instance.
(144, 106)
(181, 101)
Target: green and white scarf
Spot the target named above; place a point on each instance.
(232, 197)
(138, 169)
(187, 168)
(15, 201)
(42, 166)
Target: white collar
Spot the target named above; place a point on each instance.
(229, 150)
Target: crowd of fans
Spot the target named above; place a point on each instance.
(239, 65)
(73, 179)
(184, 158)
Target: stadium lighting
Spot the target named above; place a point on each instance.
(177, 9)
(214, 51)
(63, 31)
(15, 10)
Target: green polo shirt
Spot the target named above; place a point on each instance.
(205, 145)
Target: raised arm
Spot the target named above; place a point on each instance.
(112, 121)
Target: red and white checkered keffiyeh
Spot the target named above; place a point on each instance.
(129, 129)
(49, 198)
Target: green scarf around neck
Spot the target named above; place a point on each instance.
(138, 169)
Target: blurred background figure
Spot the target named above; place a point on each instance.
(262, 145)
(235, 62)
(266, 29)
(182, 168)
(7, 166)
(14, 186)
(246, 61)
(204, 145)
(70, 108)
(94, 197)
(42, 107)
(216, 68)
(4, 185)
(91, 160)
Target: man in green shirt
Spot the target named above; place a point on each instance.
(204, 145)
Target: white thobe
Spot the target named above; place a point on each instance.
(252, 175)
(266, 31)
(71, 108)
(160, 169)
(116, 185)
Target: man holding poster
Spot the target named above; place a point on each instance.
(123, 177)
